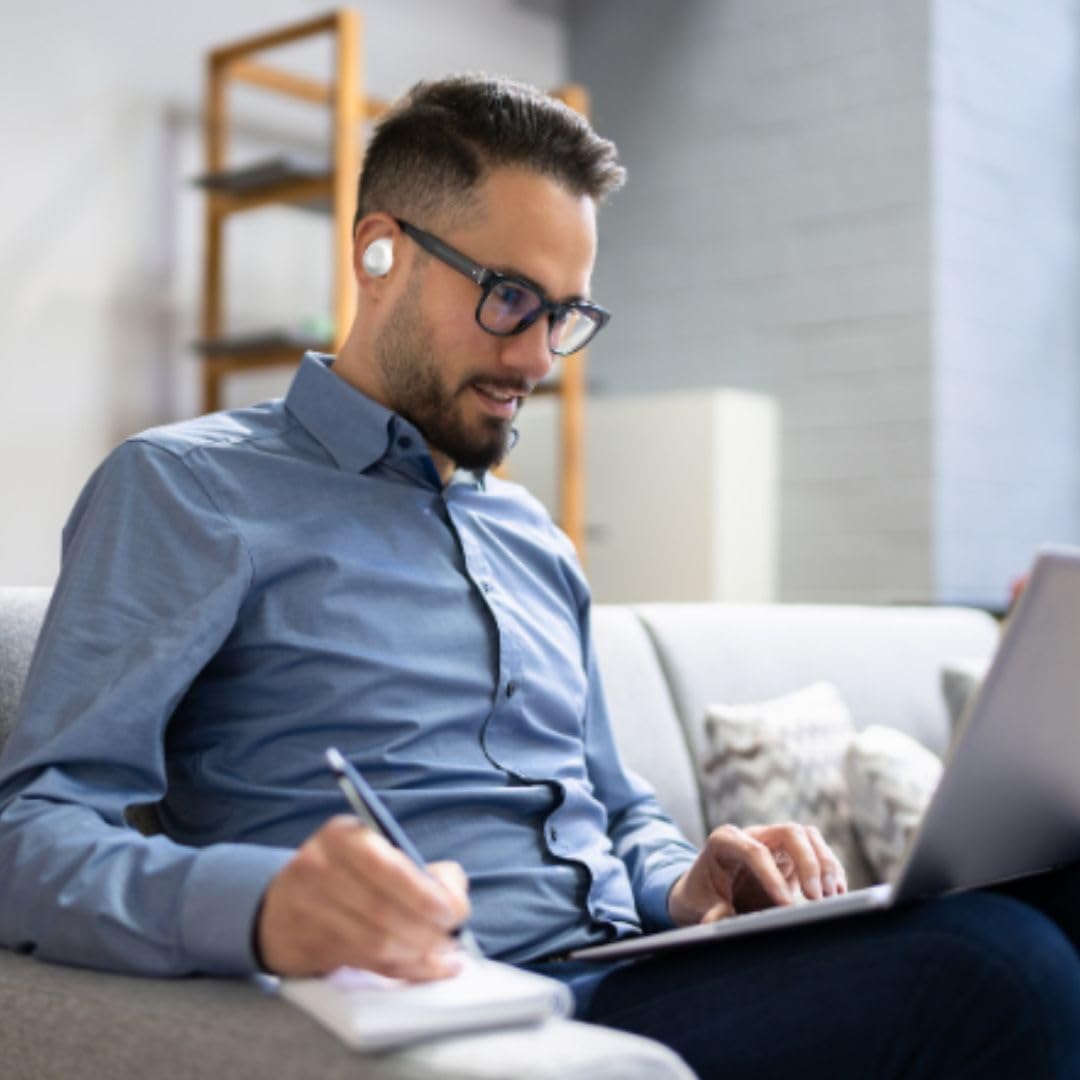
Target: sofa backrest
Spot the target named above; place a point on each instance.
(21, 612)
(651, 739)
(663, 664)
(885, 661)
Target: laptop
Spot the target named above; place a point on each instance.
(1008, 803)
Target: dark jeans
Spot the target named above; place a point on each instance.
(984, 984)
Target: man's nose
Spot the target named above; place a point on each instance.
(528, 353)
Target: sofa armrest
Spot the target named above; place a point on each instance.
(61, 1021)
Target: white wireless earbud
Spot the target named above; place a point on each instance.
(379, 257)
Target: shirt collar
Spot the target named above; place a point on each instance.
(355, 430)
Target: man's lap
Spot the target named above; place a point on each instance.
(980, 982)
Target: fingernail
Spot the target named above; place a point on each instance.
(812, 887)
(829, 884)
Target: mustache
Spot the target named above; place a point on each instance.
(515, 387)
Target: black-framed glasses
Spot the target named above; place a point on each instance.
(510, 305)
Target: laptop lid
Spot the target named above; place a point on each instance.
(1008, 804)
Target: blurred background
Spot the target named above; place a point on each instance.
(844, 362)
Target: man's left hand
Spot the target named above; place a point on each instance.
(757, 867)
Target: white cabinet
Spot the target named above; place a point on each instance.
(682, 492)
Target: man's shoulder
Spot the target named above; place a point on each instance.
(235, 428)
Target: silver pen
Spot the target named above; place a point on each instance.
(371, 810)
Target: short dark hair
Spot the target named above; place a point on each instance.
(438, 143)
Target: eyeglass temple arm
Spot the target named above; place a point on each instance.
(447, 254)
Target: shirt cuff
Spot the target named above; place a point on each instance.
(220, 902)
(652, 901)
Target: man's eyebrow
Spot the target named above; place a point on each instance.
(517, 275)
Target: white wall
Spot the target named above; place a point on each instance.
(1006, 97)
(100, 232)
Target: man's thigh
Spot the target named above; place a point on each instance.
(974, 985)
(1056, 894)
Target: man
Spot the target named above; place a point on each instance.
(339, 568)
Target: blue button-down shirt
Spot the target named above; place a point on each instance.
(241, 591)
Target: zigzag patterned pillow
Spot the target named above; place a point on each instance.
(891, 778)
(783, 760)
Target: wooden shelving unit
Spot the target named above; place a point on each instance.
(328, 188)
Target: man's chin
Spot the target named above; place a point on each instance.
(481, 454)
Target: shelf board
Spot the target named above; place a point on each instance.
(260, 349)
(283, 178)
(548, 387)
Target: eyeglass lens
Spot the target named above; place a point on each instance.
(510, 303)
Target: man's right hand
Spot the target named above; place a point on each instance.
(349, 897)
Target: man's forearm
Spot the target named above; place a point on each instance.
(80, 890)
(656, 854)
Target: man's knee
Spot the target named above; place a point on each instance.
(1016, 974)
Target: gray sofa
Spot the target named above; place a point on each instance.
(662, 666)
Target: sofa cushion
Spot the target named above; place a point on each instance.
(783, 760)
(650, 737)
(58, 1022)
(891, 779)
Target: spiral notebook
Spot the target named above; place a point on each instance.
(371, 1012)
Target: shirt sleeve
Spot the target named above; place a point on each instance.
(152, 577)
(648, 842)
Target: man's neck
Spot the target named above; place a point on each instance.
(353, 366)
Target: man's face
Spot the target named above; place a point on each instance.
(459, 385)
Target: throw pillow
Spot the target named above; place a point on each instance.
(783, 760)
(891, 778)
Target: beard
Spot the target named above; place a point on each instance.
(417, 390)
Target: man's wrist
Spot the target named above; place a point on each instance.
(220, 904)
(679, 910)
(256, 944)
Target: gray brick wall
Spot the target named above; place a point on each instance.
(775, 235)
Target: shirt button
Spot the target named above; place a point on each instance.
(405, 442)
(486, 586)
(511, 688)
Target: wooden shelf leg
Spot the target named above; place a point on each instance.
(349, 107)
